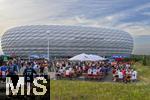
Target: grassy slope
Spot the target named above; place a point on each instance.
(80, 90)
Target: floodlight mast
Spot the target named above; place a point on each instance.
(48, 46)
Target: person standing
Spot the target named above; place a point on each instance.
(3, 70)
(36, 67)
(28, 74)
(45, 72)
(135, 75)
(13, 74)
(23, 67)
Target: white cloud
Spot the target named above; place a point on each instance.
(146, 13)
(72, 12)
(18, 12)
(110, 18)
(147, 5)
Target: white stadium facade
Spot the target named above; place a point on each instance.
(65, 41)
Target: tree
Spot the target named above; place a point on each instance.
(144, 61)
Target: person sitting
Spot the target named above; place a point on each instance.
(115, 76)
(123, 73)
(84, 68)
(94, 73)
(58, 75)
(71, 71)
(61, 71)
(128, 76)
(113, 72)
(120, 76)
(79, 70)
(128, 66)
(89, 72)
(98, 70)
(67, 74)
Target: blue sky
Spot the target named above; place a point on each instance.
(132, 16)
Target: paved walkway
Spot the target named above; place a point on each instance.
(108, 78)
(52, 75)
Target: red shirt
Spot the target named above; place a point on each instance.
(114, 71)
(124, 72)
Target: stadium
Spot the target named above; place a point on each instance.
(65, 41)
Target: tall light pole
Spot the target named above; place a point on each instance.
(48, 46)
(48, 49)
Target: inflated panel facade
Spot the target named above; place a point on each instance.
(65, 41)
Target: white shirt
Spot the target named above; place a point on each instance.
(36, 68)
(135, 72)
(3, 73)
(120, 75)
(67, 72)
(133, 75)
(94, 71)
(127, 66)
(83, 67)
(89, 71)
(76, 67)
(70, 69)
(98, 70)
(61, 71)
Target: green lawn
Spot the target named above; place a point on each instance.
(83, 90)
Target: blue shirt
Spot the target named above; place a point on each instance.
(12, 69)
(3, 70)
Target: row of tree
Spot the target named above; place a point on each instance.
(144, 59)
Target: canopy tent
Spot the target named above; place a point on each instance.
(95, 57)
(86, 57)
(39, 56)
(80, 57)
(44, 56)
(34, 56)
(119, 57)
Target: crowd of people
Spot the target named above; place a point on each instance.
(121, 71)
(68, 69)
(15, 68)
(124, 72)
(90, 70)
